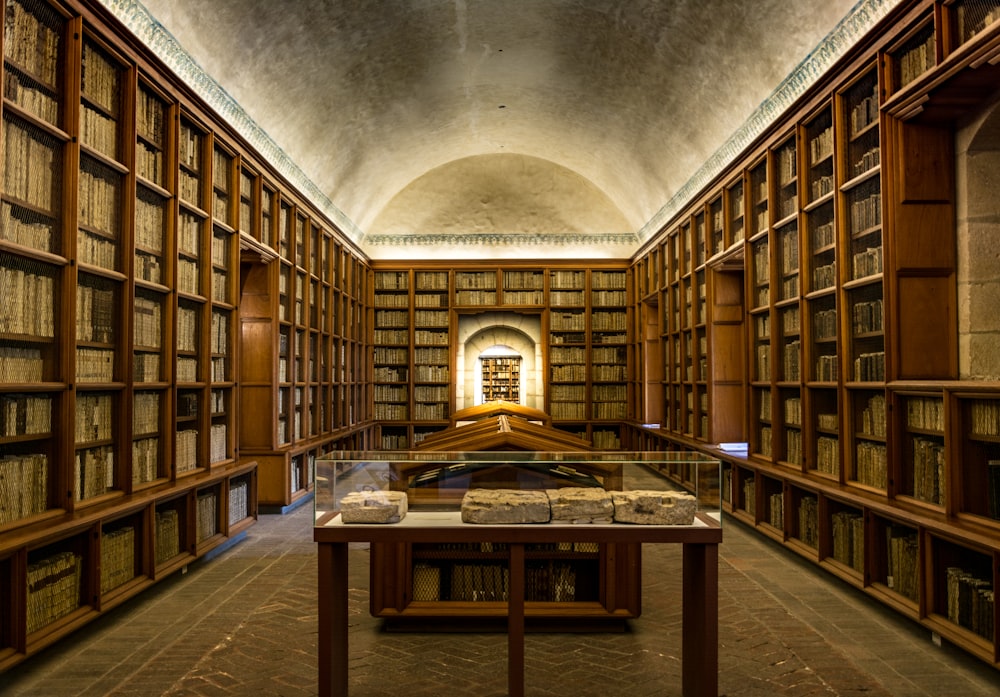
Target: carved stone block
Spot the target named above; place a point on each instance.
(504, 506)
(654, 507)
(373, 507)
(581, 505)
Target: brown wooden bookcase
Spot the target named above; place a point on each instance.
(586, 333)
(136, 227)
(869, 452)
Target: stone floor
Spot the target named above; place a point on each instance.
(244, 623)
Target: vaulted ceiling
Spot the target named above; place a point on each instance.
(464, 128)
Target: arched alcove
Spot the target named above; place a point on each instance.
(481, 333)
(977, 147)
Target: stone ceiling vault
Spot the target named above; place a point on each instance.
(467, 127)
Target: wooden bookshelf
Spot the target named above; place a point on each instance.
(152, 319)
(869, 453)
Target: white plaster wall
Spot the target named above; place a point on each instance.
(977, 148)
(477, 333)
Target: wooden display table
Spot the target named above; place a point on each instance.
(700, 644)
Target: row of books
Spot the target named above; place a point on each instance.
(26, 227)
(902, 571)
(866, 213)
(870, 466)
(207, 520)
(148, 322)
(606, 440)
(821, 146)
(436, 411)
(824, 276)
(167, 523)
(239, 500)
(431, 393)
(218, 443)
(928, 470)
(389, 393)
(392, 280)
(101, 80)
(393, 356)
(117, 557)
(392, 300)
(189, 188)
(567, 393)
(222, 172)
(607, 280)
(569, 373)
(608, 298)
(985, 416)
(868, 317)
(392, 337)
(20, 365)
(874, 417)
(567, 410)
(793, 446)
(530, 280)
(608, 411)
(23, 486)
(32, 96)
(567, 321)
(188, 280)
(150, 117)
(609, 373)
(609, 393)
(99, 206)
(148, 267)
(186, 369)
(94, 417)
(916, 61)
(870, 367)
(94, 471)
(970, 601)
(31, 166)
(849, 539)
(809, 521)
(523, 297)
(31, 39)
(926, 413)
(189, 147)
(790, 360)
(27, 299)
(186, 450)
(566, 298)
(149, 222)
(567, 279)
(431, 280)
(54, 585)
(427, 338)
(475, 297)
(868, 161)
(187, 328)
(220, 332)
(827, 368)
(25, 414)
(607, 354)
(429, 300)
(384, 411)
(828, 455)
(865, 112)
(867, 262)
(145, 460)
(475, 280)
(95, 313)
(99, 132)
(608, 322)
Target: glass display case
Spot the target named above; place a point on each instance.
(436, 482)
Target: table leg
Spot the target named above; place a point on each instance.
(515, 623)
(332, 637)
(700, 650)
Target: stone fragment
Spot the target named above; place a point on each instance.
(504, 506)
(654, 507)
(580, 505)
(373, 507)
